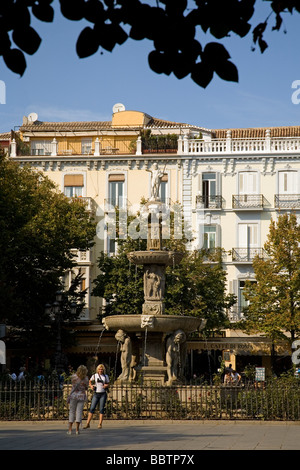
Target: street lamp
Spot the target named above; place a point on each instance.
(56, 314)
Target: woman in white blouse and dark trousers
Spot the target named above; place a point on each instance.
(99, 383)
(78, 397)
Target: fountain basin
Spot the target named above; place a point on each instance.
(166, 258)
(160, 323)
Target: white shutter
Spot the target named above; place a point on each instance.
(288, 182)
(243, 236)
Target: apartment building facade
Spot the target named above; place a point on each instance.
(230, 183)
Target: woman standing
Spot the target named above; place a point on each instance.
(99, 383)
(77, 397)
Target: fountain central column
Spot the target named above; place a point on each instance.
(158, 339)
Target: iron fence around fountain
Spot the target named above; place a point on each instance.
(35, 401)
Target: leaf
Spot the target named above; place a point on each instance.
(5, 42)
(262, 45)
(214, 53)
(27, 39)
(159, 62)
(15, 61)
(87, 43)
(202, 74)
(72, 9)
(227, 71)
(43, 12)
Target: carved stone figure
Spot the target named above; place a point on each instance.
(175, 355)
(126, 355)
(154, 283)
(156, 176)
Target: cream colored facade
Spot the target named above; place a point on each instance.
(229, 182)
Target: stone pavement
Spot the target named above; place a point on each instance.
(153, 436)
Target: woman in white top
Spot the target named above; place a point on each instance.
(99, 383)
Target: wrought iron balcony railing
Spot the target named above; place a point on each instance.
(248, 201)
(209, 202)
(247, 255)
(236, 313)
(287, 201)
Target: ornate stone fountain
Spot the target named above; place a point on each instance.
(153, 344)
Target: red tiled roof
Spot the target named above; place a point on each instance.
(257, 132)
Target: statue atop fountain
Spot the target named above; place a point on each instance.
(164, 342)
(156, 176)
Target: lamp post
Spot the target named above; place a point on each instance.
(55, 312)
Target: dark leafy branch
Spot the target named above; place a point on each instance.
(171, 25)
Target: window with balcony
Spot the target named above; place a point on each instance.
(248, 197)
(73, 185)
(287, 196)
(41, 147)
(247, 243)
(236, 312)
(208, 196)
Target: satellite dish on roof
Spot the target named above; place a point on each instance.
(32, 117)
(118, 107)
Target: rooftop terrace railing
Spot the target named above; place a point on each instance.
(233, 146)
(185, 146)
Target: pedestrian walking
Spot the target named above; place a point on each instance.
(77, 397)
(99, 382)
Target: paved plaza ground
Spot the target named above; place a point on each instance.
(153, 437)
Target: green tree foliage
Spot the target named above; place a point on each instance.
(39, 228)
(171, 25)
(274, 299)
(197, 287)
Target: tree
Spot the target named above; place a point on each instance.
(40, 228)
(197, 287)
(171, 25)
(274, 299)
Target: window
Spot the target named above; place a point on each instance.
(288, 182)
(247, 182)
(41, 147)
(116, 190)
(73, 185)
(164, 189)
(208, 188)
(210, 237)
(248, 235)
(241, 299)
(112, 246)
(86, 146)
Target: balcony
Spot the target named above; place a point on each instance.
(82, 257)
(248, 201)
(181, 146)
(236, 313)
(247, 255)
(287, 201)
(208, 202)
(89, 203)
(231, 146)
(111, 204)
